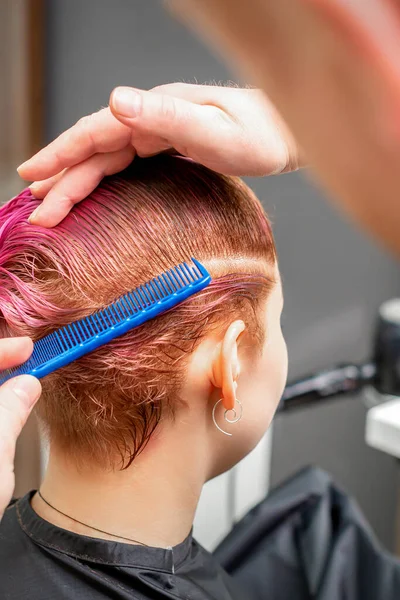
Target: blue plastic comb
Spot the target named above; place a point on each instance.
(69, 343)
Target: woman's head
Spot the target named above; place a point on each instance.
(161, 211)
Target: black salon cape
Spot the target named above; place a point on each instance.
(39, 561)
(308, 540)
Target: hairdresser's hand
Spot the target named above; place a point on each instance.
(17, 398)
(230, 130)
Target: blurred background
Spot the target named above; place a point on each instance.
(60, 60)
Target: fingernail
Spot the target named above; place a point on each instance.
(32, 188)
(21, 167)
(27, 388)
(126, 102)
(34, 215)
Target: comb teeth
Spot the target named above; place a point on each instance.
(74, 340)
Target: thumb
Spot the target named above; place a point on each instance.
(17, 398)
(184, 124)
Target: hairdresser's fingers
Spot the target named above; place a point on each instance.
(99, 132)
(215, 95)
(96, 133)
(14, 351)
(17, 398)
(40, 189)
(206, 133)
(199, 94)
(77, 183)
(144, 138)
(272, 146)
(149, 146)
(154, 113)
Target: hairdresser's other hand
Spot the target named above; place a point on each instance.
(230, 130)
(332, 69)
(17, 398)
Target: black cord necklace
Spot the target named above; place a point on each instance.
(121, 537)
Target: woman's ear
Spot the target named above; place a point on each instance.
(226, 364)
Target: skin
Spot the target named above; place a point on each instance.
(332, 69)
(231, 130)
(17, 398)
(184, 453)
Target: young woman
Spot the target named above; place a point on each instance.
(137, 427)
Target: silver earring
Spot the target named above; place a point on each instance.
(235, 419)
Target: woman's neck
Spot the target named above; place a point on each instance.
(152, 502)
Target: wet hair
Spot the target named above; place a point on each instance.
(135, 225)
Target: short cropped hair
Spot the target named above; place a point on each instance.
(157, 213)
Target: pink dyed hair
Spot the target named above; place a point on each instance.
(156, 214)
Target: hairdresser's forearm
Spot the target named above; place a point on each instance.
(332, 70)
